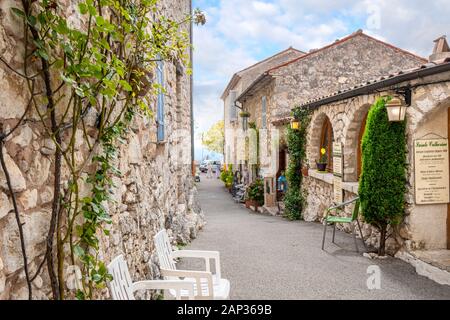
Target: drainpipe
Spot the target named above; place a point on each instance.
(191, 37)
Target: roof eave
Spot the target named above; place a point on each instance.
(370, 88)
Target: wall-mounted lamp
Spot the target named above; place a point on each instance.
(396, 108)
(295, 124)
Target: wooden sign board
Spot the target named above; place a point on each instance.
(337, 166)
(431, 169)
(338, 193)
(337, 159)
(337, 149)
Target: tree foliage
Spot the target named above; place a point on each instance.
(295, 196)
(214, 138)
(383, 180)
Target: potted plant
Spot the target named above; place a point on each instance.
(227, 177)
(244, 114)
(322, 163)
(255, 194)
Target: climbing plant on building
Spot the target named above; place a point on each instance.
(296, 139)
(383, 150)
(86, 81)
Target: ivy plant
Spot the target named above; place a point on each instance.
(295, 199)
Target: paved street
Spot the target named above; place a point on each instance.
(269, 257)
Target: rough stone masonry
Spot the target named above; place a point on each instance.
(154, 192)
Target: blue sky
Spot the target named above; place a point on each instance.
(239, 33)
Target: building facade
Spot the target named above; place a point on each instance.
(238, 84)
(340, 65)
(155, 189)
(423, 237)
(339, 83)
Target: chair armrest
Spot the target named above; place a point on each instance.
(196, 254)
(177, 285)
(207, 255)
(195, 275)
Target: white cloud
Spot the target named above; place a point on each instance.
(238, 33)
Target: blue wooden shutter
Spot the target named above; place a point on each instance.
(160, 102)
(264, 113)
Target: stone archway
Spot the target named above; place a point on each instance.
(352, 134)
(315, 135)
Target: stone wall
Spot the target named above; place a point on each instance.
(155, 191)
(340, 66)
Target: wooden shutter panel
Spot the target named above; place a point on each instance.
(233, 111)
(160, 102)
(264, 113)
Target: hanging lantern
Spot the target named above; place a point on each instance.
(396, 109)
(295, 124)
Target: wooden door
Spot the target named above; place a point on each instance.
(359, 152)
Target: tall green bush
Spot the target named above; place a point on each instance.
(295, 197)
(383, 180)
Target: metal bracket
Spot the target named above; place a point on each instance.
(406, 93)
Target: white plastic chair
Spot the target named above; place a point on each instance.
(122, 288)
(212, 286)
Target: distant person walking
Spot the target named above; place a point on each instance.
(218, 170)
(209, 173)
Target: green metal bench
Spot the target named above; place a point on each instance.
(330, 219)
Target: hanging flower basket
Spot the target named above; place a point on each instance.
(244, 114)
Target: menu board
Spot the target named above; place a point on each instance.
(338, 196)
(431, 171)
(337, 172)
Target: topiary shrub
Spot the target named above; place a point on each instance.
(382, 184)
(294, 199)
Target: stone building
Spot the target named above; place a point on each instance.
(238, 84)
(423, 238)
(340, 65)
(155, 191)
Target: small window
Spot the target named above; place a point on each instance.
(326, 142)
(264, 113)
(160, 102)
(232, 106)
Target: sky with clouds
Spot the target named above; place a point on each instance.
(239, 33)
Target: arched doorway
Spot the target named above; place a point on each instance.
(326, 142)
(362, 129)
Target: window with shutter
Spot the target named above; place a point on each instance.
(264, 113)
(233, 109)
(160, 102)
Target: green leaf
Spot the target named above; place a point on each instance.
(18, 12)
(42, 54)
(79, 252)
(125, 85)
(83, 8)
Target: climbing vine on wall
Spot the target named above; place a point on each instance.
(102, 65)
(296, 139)
(383, 150)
